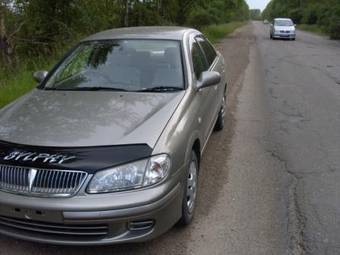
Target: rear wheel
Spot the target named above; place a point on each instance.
(190, 192)
(221, 116)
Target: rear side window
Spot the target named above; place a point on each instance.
(198, 60)
(208, 49)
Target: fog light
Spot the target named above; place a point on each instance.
(141, 225)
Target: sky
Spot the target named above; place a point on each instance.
(258, 4)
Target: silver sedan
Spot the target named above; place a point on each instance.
(107, 148)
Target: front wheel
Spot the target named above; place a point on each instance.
(190, 192)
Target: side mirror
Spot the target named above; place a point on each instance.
(39, 76)
(208, 79)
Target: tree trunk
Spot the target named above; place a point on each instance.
(5, 45)
(126, 19)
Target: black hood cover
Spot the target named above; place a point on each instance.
(89, 159)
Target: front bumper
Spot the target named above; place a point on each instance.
(102, 219)
(284, 35)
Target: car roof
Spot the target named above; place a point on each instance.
(155, 32)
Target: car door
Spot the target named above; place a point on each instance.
(203, 96)
(215, 63)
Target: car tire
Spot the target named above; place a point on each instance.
(190, 191)
(221, 116)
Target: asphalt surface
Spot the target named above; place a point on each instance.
(269, 182)
(302, 83)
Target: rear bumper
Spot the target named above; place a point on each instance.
(93, 220)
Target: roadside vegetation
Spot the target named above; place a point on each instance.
(216, 32)
(316, 29)
(34, 34)
(315, 16)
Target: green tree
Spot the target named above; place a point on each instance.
(325, 13)
(41, 27)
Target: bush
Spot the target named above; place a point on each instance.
(334, 28)
(324, 16)
(200, 18)
(310, 15)
(296, 15)
(334, 23)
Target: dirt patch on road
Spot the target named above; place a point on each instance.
(235, 50)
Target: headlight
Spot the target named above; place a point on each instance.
(131, 176)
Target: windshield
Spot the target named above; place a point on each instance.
(283, 23)
(124, 65)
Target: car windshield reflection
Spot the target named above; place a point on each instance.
(121, 65)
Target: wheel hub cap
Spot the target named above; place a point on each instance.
(192, 186)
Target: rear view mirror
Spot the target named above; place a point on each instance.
(39, 76)
(208, 79)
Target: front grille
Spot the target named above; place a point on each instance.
(40, 182)
(54, 229)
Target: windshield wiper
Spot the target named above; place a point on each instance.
(161, 89)
(101, 88)
(88, 89)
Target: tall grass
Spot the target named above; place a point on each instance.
(17, 82)
(217, 32)
(14, 87)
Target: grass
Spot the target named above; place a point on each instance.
(17, 83)
(12, 88)
(312, 28)
(217, 32)
(14, 84)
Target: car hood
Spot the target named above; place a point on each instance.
(285, 28)
(81, 119)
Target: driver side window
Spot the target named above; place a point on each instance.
(198, 59)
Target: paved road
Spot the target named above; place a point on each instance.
(302, 83)
(270, 182)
